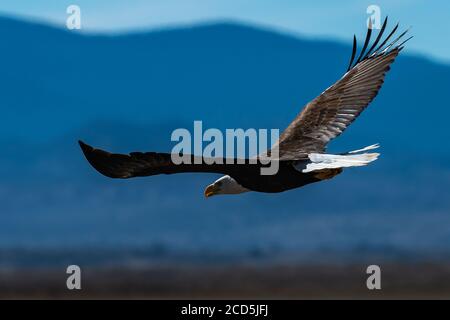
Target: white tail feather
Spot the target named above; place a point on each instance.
(371, 147)
(320, 161)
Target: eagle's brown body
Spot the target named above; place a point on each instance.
(286, 178)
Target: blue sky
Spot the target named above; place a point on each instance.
(331, 19)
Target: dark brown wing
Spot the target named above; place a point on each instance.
(328, 115)
(141, 164)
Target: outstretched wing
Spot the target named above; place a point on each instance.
(142, 164)
(328, 115)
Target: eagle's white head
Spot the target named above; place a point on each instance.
(224, 185)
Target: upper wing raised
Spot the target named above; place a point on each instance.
(328, 115)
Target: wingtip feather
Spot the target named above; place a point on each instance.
(85, 147)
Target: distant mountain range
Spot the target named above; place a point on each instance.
(128, 92)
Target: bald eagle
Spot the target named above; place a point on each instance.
(301, 147)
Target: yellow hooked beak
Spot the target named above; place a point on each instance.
(211, 190)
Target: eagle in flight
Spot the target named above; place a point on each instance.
(301, 147)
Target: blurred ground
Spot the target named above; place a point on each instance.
(417, 280)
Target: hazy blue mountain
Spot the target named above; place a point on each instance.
(128, 92)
